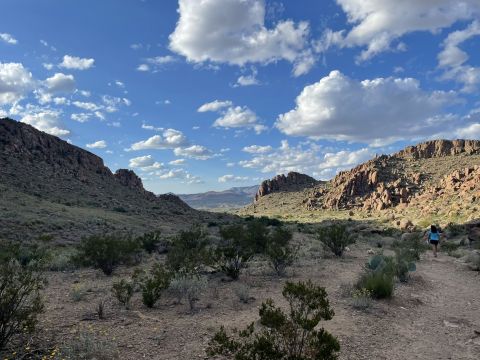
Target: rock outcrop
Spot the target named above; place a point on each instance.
(291, 182)
(440, 148)
(129, 178)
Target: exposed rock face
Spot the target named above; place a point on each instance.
(439, 148)
(293, 181)
(129, 178)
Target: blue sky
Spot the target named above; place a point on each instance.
(202, 95)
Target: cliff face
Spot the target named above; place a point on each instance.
(293, 181)
(440, 148)
(54, 173)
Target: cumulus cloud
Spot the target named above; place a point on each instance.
(15, 82)
(177, 162)
(7, 38)
(80, 117)
(101, 144)
(377, 24)
(257, 149)
(198, 152)
(232, 178)
(471, 131)
(234, 32)
(338, 107)
(46, 120)
(180, 174)
(170, 139)
(215, 105)
(453, 59)
(143, 67)
(76, 63)
(233, 116)
(144, 163)
(306, 158)
(60, 83)
(89, 106)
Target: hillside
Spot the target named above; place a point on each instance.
(50, 187)
(221, 200)
(432, 179)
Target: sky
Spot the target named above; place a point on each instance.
(198, 95)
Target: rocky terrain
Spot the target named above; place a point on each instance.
(435, 178)
(50, 187)
(221, 200)
(293, 181)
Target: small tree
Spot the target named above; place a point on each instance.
(279, 253)
(123, 291)
(20, 301)
(284, 336)
(150, 241)
(155, 284)
(106, 252)
(335, 237)
(188, 251)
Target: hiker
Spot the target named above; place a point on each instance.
(433, 237)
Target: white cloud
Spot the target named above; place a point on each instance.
(46, 120)
(120, 84)
(145, 163)
(170, 139)
(7, 38)
(151, 127)
(453, 59)
(143, 67)
(80, 117)
(48, 66)
(338, 107)
(177, 162)
(198, 152)
(89, 106)
(76, 63)
(15, 82)
(232, 178)
(256, 149)
(215, 106)
(234, 32)
(60, 83)
(160, 60)
(471, 131)
(307, 158)
(101, 144)
(180, 174)
(378, 23)
(247, 80)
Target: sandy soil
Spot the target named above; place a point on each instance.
(435, 316)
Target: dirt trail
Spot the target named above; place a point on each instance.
(436, 316)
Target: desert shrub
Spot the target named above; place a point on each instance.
(78, 292)
(243, 293)
(404, 264)
(20, 301)
(414, 244)
(473, 259)
(453, 229)
(150, 241)
(361, 299)
(188, 287)
(154, 284)
(279, 253)
(188, 251)
(448, 247)
(106, 252)
(89, 346)
(25, 254)
(335, 237)
(60, 261)
(101, 309)
(284, 335)
(123, 292)
(380, 284)
(267, 221)
(233, 252)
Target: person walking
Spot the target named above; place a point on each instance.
(433, 238)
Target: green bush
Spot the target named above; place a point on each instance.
(279, 253)
(448, 247)
(90, 346)
(20, 301)
(189, 287)
(415, 245)
(189, 250)
(123, 292)
(361, 299)
(106, 252)
(288, 335)
(153, 285)
(335, 237)
(233, 252)
(379, 283)
(453, 229)
(25, 254)
(150, 241)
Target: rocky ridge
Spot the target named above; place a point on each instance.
(293, 181)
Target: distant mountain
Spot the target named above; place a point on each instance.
(236, 197)
(50, 187)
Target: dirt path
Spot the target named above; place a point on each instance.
(436, 316)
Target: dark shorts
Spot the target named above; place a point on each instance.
(434, 242)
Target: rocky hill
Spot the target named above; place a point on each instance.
(293, 181)
(50, 187)
(221, 200)
(434, 177)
